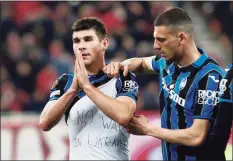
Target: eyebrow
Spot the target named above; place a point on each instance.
(160, 38)
(85, 37)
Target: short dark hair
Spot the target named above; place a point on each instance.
(91, 23)
(175, 18)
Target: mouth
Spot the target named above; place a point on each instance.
(159, 53)
(84, 55)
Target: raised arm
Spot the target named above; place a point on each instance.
(54, 110)
(132, 64)
(120, 110)
(59, 102)
(139, 64)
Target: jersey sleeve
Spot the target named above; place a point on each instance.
(207, 96)
(158, 63)
(58, 88)
(223, 122)
(127, 86)
(225, 86)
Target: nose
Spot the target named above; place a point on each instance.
(156, 45)
(81, 46)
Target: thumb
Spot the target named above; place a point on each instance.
(126, 70)
(75, 70)
(104, 68)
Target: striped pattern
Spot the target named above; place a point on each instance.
(220, 133)
(185, 94)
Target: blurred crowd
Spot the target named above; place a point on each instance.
(219, 18)
(36, 45)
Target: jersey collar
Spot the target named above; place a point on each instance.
(197, 64)
(201, 60)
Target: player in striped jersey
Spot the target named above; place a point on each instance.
(221, 130)
(189, 80)
(95, 106)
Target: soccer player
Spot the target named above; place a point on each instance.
(95, 106)
(188, 88)
(221, 130)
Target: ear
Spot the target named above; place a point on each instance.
(104, 44)
(182, 38)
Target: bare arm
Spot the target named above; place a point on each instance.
(193, 136)
(139, 64)
(54, 110)
(120, 110)
(132, 64)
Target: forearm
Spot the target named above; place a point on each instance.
(182, 136)
(51, 116)
(139, 64)
(111, 107)
(135, 64)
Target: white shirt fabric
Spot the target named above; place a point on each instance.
(92, 134)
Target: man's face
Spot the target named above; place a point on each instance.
(87, 43)
(167, 43)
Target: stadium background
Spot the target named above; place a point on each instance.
(36, 47)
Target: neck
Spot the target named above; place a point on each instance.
(93, 69)
(190, 55)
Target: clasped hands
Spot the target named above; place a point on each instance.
(80, 79)
(139, 124)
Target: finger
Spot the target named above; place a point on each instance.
(112, 69)
(105, 69)
(135, 120)
(132, 129)
(75, 70)
(116, 69)
(126, 70)
(81, 66)
(78, 61)
(109, 69)
(81, 63)
(77, 66)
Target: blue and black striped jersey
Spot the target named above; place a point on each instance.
(220, 132)
(186, 93)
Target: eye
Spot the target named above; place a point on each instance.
(160, 39)
(88, 39)
(76, 40)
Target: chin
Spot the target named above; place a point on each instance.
(87, 62)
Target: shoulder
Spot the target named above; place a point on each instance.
(126, 82)
(127, 86)
(211, 66)
(62, 81)
(131, 77)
